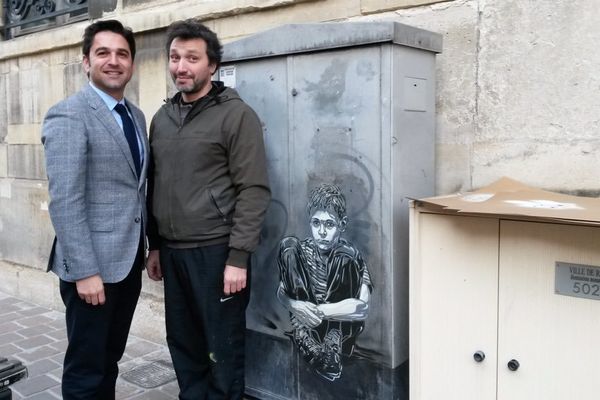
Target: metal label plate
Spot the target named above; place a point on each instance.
(577, 280)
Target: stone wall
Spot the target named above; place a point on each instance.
(516, 95)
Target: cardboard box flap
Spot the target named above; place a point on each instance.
(511, 198)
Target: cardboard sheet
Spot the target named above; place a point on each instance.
(510, 198)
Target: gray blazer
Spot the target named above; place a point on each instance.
(97, 203)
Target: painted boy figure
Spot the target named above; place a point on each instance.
(325, 285)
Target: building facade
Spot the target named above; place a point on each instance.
(517, 93)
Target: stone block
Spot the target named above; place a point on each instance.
(151, 42)
(26, 161)
(23, 92)
(38, 286)
(3, 108)
(25, 231)
(60, 345)
(13, 88)
(31, 386)
(9, 326)
(3, 160)
(24, 134)
(8, 350)
(141, 347)
(74, 78)
(33, 342)
(60, 334)
(453, 175)
(125, 390)
(515, 101)
(13, 65)
(42, 41)
(10, 337)
(59, 57)
(9, 283)
(235, 26)
(32, 331)
(373, 6)
(24, 62)
(34, 321)
(148, 320)
(132, 92)
(548, 164)
(152, 72)
(33, 311)
(41, 367)
(134, 3)
(52, 88)
(74, 55)
(151, 18)
(97, 8)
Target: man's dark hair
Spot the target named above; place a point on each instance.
(111, 25)
(329, 198)
(194, 29)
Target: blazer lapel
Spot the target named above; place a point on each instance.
(104, 115)
(140, 126)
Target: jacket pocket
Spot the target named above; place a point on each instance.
(213, 201)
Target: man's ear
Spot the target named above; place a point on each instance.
(86, 65)
(213, 68)
(343, 223)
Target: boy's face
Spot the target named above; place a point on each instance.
(326, 230)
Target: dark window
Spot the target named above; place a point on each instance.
(26, 16)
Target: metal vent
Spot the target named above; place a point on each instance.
(150, 375)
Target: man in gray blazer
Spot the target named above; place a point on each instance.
(96, 159)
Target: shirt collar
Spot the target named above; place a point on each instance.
(108, 99)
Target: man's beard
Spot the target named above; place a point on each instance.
(192, 88)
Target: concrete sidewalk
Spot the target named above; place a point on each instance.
(37, 336)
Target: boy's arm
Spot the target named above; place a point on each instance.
(307, 313)
(348, 309)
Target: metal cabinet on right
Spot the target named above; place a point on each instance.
(348, 113)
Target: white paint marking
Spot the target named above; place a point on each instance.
(546, 204)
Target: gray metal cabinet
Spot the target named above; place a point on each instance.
(350, 104)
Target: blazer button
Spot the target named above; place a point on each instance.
(137, 220)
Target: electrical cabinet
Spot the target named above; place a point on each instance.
(350, 104)
(488, 318)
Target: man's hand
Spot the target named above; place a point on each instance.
(307, 313)
(91, 289)
(153, 266)
(234, 280)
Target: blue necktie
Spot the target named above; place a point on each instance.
(130, 135)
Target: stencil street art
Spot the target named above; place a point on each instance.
(325, 285)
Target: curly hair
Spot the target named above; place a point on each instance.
(329, 198)
(193, 29)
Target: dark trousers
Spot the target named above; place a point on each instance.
(205, 328)
(97, 336)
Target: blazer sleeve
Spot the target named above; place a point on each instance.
(152, 227)
(64, 137)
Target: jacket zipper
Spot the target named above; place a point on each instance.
(170, 205)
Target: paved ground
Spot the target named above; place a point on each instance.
(36, 336)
